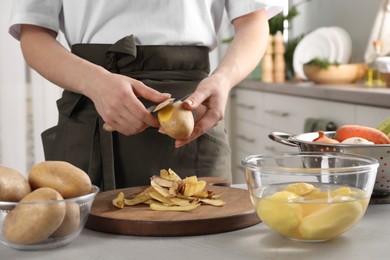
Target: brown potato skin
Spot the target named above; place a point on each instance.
(32, 223)
(71, 221)
(69, 180)
(181, 123)
(13, 185)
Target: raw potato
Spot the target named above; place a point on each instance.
(176, 121)
(331, 221)
(33, 223)
(13, 185)
(71, 221)
(69, 180)
(279, 215)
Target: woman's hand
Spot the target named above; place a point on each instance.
(116, 98)
(243, 54)
(208, 103)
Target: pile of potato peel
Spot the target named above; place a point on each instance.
(168, 192)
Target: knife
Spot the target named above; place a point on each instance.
(167, 102)
(153, 109)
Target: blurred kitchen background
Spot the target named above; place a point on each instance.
(28, 102)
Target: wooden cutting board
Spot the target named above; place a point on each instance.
(140, 220)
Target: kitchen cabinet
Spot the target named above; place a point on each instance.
(254, 113)
(370, 116)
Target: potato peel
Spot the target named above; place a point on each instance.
(137, 199)
(119, 200)
(160, 207)
(168, 192)
(217, 203)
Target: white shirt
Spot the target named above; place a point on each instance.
(152, 22)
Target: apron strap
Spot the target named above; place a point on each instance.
(107, 157)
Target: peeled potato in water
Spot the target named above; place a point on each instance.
(176, 121)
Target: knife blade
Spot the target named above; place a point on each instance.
(167, 102)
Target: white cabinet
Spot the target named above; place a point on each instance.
(288, 113)
(371, 116)
(249, 105)
(254, 114)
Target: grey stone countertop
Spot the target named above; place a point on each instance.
(348, 93)
(367, 240)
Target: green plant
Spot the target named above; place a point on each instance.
(322, 63)
(291, 44)
(276, 23)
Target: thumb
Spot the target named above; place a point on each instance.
(193, 101)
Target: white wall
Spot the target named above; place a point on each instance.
(27, 103)
(44, 95)
(12, 97)
(357, 17)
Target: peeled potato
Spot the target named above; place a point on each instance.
(176, 121)
(13, 185)
(300, 188)
(279, 215)
(69, 180)
(31, 223)
(330, 221)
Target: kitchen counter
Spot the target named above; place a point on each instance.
(349, 93)
(367, 240)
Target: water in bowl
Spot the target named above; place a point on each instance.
(310, 211)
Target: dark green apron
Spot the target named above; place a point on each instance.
(113, 160)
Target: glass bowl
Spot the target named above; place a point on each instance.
(77, 211)
(310, 196)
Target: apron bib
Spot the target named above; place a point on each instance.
(113, 160)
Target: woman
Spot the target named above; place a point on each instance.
(126, 55)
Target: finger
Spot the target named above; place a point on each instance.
(193, 101)
(135, 110)
(141, 90)
(199, 113)
(210, 119)
(195, 134)
(162, 131)
(145, 116)
(125, 124)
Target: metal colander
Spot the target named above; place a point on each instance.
(381, 152)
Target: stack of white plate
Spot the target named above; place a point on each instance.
(383, 64)
(331, 43)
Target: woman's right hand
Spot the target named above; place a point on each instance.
(116, 98)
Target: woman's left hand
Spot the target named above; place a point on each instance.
(243, 54)
(208, 103)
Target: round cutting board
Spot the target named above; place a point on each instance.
(140, 220)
